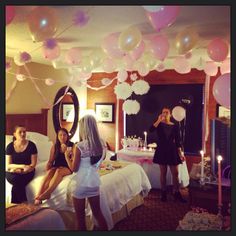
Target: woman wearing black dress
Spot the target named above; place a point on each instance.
(21, 159)
(56, 167)
(169, 152)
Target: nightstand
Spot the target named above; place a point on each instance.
(206, 196)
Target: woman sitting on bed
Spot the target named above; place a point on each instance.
(21, 159)
(85, 161)
(56, 167)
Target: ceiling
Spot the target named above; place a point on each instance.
(209, 21)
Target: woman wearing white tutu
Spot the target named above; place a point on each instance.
(84, 161)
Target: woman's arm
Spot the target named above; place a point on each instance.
(29, 168)
(156, 123)
(51, 157)
(13, 167)
(73, 158)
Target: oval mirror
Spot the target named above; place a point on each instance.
(66, 112)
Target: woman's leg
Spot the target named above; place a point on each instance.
(56, 179)
(19, 181)
(163, 171)
(79, 205)
(46, 180)
(95, 206)
(175, 178)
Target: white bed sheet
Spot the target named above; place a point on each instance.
(117, 188)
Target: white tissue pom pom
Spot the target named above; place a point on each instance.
(133, 76)
(123, 90)
(131, 107)
(20, 77)
(49, 81)
(140, 87)
(122, 75)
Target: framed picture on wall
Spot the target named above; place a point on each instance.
(68, 112)
(222, 111)
(105, 112)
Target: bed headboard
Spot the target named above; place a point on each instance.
(32, 122)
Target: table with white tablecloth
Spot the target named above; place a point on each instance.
(145, 159)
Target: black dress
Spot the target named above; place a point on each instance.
(168, 142)
(60, 159)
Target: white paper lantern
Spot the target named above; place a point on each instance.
(140, 87)
(123, 90)
(131, 107)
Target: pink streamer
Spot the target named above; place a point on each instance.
(102, 87)
(11, 90)
(37, 88)
(136, 159)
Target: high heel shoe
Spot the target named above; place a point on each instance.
(178, 197)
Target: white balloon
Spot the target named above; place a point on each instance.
(178, 113)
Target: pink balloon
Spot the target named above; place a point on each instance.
(73, 56)
(128, 62)
(159, 46)
(51, 54)
(182, 65)
(225, 66)
(111, 47)
(217, 50)
(108, 65)
(163, 18)
(137, 52)
(211, 68)
(221, 90)
(10, 14)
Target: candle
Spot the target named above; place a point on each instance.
(202, 166)
(145, 139)
(219, 159)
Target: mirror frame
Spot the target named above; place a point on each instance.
(56, 110)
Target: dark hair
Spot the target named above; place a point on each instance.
(14, 130)
(58, 144)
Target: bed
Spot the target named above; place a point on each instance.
(122, 189)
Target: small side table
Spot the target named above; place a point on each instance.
(206, 196)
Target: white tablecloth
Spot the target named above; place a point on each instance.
(144, 158)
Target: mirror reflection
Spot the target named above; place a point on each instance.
(66, 112)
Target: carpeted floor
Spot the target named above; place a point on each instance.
(155, 215)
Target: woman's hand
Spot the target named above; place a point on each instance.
(27, 169)
(48, 166)
(63, 147)
(182, 157)
(68, 152)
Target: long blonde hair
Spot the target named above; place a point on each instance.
(88, 130)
